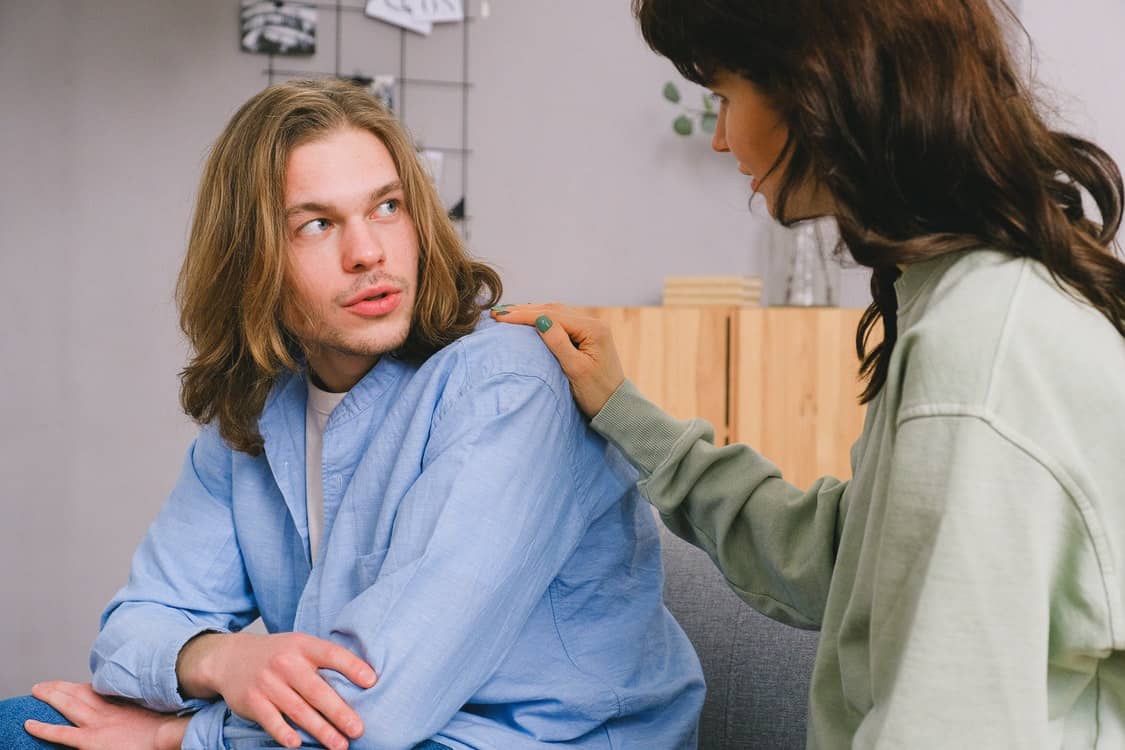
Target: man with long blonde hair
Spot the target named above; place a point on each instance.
(443, 555)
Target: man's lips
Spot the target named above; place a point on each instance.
(371, 293)
(374, 301)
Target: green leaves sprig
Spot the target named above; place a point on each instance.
(684, 124)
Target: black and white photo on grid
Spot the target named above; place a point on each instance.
(278, 28)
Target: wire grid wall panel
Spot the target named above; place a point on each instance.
(432, 85)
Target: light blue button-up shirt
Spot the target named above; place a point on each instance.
(483, 550)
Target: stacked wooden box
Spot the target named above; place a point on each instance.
(729, 291)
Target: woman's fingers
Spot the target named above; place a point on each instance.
(583, 346)
(555, 324)
(522, 314)
(560, 326)
(561, 332)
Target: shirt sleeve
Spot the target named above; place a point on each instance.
(455, 589)
(187, 577)
(975, 545)
(775, 543)
(205, 730)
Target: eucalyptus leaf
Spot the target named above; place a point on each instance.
(671, 93)
(682, 125)
(708, 121)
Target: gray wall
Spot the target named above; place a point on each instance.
(580, 190)
(107, 109)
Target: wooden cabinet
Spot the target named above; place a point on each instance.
(677, 356)
(783, 380)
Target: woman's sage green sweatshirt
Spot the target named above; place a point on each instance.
(968, 580)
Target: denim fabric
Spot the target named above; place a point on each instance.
(15, 711)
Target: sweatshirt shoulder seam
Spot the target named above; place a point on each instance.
(1079, 500)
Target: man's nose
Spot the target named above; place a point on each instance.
(362, 247)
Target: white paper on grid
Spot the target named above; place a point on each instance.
(416, 15)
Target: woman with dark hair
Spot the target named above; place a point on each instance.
(968, 579)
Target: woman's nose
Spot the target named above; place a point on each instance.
(719, 137)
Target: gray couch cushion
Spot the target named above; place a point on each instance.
(757, 670)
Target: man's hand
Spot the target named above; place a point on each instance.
(268, 678)
(101, 723)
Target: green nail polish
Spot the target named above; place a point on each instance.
(502, 312)
(500, 307)
(543, 323)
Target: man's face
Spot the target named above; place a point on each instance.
(354, 252)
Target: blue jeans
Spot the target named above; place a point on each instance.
(15, 711)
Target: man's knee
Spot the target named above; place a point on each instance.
(14, 712)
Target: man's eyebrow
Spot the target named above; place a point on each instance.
(387, 189)
(314, 208)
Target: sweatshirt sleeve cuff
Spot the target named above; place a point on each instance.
(643, 431)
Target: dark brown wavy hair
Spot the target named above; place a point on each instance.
(913, 117)
(236, 276)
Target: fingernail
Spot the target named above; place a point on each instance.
(502, 312)
(543, 323)
(500, 307)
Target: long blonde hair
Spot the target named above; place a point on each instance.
(235, 277)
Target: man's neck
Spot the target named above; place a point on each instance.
(338, 373)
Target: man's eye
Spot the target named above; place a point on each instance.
(388, 207)
(314, 227)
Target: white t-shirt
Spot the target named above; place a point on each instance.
(317, 410)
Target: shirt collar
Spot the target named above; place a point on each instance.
(288, 397)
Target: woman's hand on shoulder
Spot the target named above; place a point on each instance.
(583, 346)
